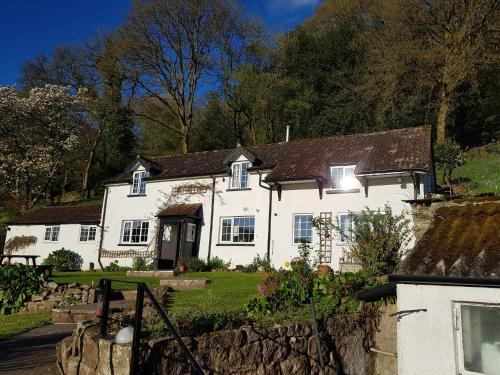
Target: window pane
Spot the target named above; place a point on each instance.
(481, 338)
(142, 182)
(135, 183)
(126, 231)
(236, 176)
(302, 229)
(244, 229)
(226, 230)
(345, 227)
(48, 232)
(92, 233)
(144, 231)
(244, 176)
(136, 232)
(337, 175)
(55, 234)
(84, 234)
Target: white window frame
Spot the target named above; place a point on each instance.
(130, 225)
(88, 227)
(231, 220)
(139, 182)
(50, 229)
(343, 168)
(239, 180)
(457, 325)
(293, 228)
(339, 216)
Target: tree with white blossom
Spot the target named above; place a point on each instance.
(37, 132)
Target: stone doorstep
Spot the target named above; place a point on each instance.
(80, 313)
(160, 274)
(182, 283)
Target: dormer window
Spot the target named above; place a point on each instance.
(239, 175)
(343, 178)
(139, 183)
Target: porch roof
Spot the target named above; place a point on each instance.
(183, 209)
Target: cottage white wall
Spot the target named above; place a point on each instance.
(426, 342)
(304, 198)
(69, 238)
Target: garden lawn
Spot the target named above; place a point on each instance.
(14, 324)
(87, 277)
(226, 291)
(483, 171)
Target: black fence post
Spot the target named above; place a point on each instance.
(136, 341)
(316, 332)
(106, 285)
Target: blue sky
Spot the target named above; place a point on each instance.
(28, 27)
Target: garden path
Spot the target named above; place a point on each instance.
(33, 352)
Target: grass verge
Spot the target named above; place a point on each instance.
(89, 277)
(14, 324)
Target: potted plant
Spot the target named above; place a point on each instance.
(182, 266)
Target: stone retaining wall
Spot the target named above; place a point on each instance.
(54, 295)
(282, 349)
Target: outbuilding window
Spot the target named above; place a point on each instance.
(302, 228)
(343, 178)
(135, 231)
(237, 229)
(477, 328)
(139, 183)
(88, 233)
(52, 233)
(239, 175)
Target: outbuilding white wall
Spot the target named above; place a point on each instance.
(69, 236)
(426, 341)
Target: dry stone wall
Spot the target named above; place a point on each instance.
(281, 349)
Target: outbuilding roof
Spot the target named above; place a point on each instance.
(463, 240)
(381, 152)
(81, 214)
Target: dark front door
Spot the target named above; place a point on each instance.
(169, 245)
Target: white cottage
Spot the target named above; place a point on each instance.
(237, 203)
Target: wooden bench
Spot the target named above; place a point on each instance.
(27, 258)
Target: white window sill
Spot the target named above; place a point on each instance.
(339, 191)
(133, 244)
(235, 244)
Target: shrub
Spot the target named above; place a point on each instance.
(448, 155)
(140, 264)
(217, 264)
(196, 265)
(64, 260)
(257, 264)
(17, 284)
(115, 267)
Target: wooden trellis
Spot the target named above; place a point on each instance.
(325, 237)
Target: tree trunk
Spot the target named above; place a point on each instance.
(88, 167)
(444, 109)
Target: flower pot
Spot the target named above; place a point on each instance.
(182, 268)
(324, 269)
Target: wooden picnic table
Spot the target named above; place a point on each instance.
(26, 257)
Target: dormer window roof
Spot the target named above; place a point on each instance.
(237, 153)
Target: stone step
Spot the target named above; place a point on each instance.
(160, 274)
(183, 283)
(81, 313)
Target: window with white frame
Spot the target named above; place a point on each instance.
(52, 233)
(239, 175)
(343, 178)
(135, 231)
(302, 228)
(88, 233)
(477, 328)
(237, 229)
(191, 232)
(346, 227)
(139, 182)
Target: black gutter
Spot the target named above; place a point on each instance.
(211, 219)
(389, 289)
(104, 205)
(269, 218)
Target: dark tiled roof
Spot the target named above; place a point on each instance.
(181, 210)
(82, 214)
(387, 151)
(461, 241)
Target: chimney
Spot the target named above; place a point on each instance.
(287, 133)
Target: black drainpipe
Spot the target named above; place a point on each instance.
(269, 216)
(102, 227)
(211, 218)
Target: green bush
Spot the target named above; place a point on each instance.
(17, 284)
(64, 260)
(196, 265)
(140, 264)
(257, 264)
(448, 155)
(115, 267)
(217, 264)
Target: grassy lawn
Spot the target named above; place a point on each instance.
(87, 277)
(13, 324)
